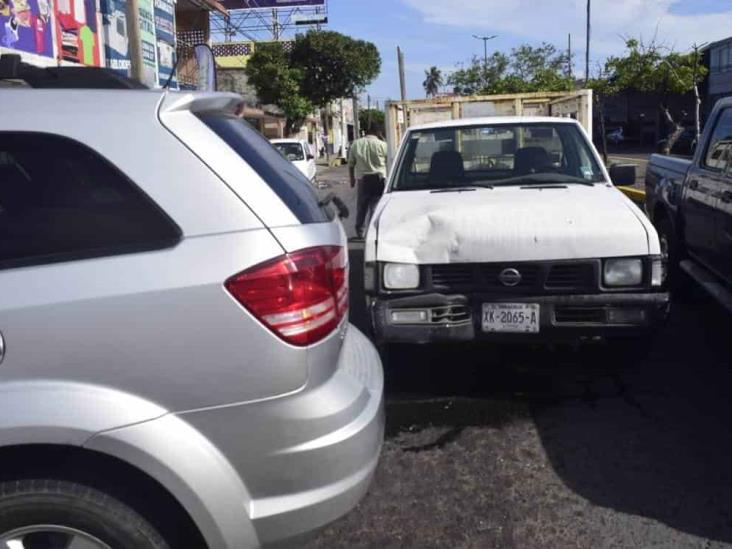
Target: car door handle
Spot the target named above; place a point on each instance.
(726, 196)
(693, 184)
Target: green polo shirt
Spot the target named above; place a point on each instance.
(368, 156)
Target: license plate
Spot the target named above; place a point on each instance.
(511, 317)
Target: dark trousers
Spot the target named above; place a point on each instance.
(370, 189)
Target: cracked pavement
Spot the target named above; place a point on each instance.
(501, 447)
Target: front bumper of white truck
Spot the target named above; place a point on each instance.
(462, 302)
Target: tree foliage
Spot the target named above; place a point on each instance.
(333, 65)
(374, 116)
(526, 69)
(651, 68)
(278, 83)
(321, 66)
(433, 81)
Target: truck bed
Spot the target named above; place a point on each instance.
(664, 172)
(669, 166)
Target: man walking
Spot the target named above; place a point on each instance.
(367, 164)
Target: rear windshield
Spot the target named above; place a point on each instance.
(291, 151)
(282, 176)
(505, 154)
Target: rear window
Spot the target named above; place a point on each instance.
(60, 200)
(292, 151)
(282, 176)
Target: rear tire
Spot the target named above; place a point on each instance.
(46, 514)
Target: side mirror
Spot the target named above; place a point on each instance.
(622, 174)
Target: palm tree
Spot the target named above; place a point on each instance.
(432, 81)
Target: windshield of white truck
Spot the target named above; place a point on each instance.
(492, 155)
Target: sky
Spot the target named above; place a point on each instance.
(440, 32)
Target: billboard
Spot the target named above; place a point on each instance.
(25, 25)
(269, 4)
(165, 34)
(77, 31)
(116, 43)
(148, 43)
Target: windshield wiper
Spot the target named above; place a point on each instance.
(543, 178)
(467, 188)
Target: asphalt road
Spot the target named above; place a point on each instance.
(499, 447)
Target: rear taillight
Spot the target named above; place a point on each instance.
(301, 296)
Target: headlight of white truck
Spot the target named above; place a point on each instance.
(623, 272)
(401, 276)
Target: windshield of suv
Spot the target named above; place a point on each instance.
(291, 151)
(499, 154)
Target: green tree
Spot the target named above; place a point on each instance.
(278, 83)
(374, 117)
(333, 65)
(321, 66)
(650, 68)
(433, 81)
(480, 76)
(527, 69)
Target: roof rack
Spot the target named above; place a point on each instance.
(13, 69)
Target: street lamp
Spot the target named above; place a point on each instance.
(485, 47)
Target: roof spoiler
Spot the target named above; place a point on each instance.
(12, 68)
(202, 102)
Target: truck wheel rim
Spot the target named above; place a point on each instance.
(49, 536)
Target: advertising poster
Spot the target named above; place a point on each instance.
(116, 43)
(165, 35)
(25, 25)
(148, 43)
(77, 31)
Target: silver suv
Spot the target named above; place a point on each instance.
(177, 365)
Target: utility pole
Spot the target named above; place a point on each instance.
(356, 118)
(587, 49)
(569, 59)
(368, 111)
(485, 47)
(402, 79)
(275, 25)
(344, 130)
(133, 35)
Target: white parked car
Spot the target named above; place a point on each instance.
(509, 229)
(298, 152)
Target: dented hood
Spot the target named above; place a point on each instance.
(509, 224)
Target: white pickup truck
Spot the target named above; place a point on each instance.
(509, 228)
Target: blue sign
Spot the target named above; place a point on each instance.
(114, 29)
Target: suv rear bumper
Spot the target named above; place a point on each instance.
(596, 316)
(269, 471)
(306, 459)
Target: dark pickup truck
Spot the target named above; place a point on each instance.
(690, 204)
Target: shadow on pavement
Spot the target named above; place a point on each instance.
(644, 436)
(655, 442)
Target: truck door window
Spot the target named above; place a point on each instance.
(719, 150)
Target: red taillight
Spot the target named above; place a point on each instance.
(301, 296)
